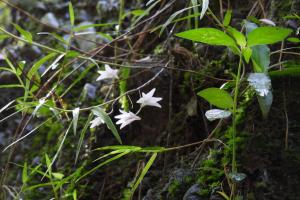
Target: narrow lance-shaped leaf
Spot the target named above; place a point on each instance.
(71, 13)
(217, 97)
(25, 173)
(227, 18)
(82, 134)
(143, 173)
(209, 36)
(27, 35)
(101, 113)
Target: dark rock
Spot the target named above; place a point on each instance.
(192, 193)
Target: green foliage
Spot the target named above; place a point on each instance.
(217, 97)
(101, 113)
(209, 36)
(71, 14)
(27, 35)
(227, 18)
(267, 35)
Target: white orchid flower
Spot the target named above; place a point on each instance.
(260, 82)
(126, 118)
(96, 122)
(214, 114)
(109, 73)
(149, 100)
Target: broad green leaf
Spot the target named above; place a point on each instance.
(238, 36)
(286, 72)
(71, 13)
(101, 113)
(247, 52)
(143, 173)
(260, 53)
(227, 18)
(217, 97)
(260, 58)
(210, 36)
(267, 35)
(27, 35)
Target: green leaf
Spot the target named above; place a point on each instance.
(227, 18)
(210, 36)
(217, 97)
(247, 52)
(101, 113)
(27, 35)
(102, 164)
(25, 173)
(286, 72)
(238, 36)
(57, 175)
(82, 134)
(293, 39)
(143, 173)
(33, 70)
(48, 163)
(260, 58)
(71, 13)
(120, 147)
(267, 35)
(75, 194)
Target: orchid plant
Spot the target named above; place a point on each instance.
(250, 47)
